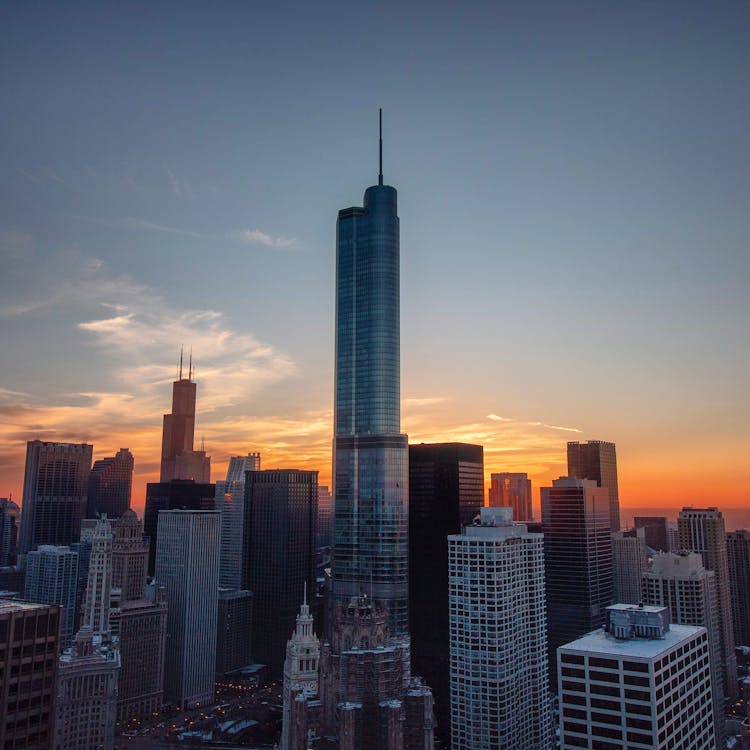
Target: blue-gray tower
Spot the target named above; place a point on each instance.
(370, 455)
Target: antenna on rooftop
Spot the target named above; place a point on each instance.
(380, 144)
(179, 374)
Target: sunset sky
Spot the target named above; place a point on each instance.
(574, 194)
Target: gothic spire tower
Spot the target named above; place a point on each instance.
(370, 452)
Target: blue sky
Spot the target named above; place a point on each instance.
(573, 191)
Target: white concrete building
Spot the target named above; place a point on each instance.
(638, 683)
(187, 566)
(498, 643)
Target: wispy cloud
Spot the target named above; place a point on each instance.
(495, 418)
(256, 237)
(181, 188)
(134, 223)
(408, 403)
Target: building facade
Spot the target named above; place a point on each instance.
(281, 509)
(29, 640)
(234, 629)
(52, 578)
(597, 460)
(512, 490)
(110, 484)
(655, 531)
(702, 530)
(129, 557)
(638, 684)
(498, 644)
(577, 559)
(187, 566)
(55, 488)
(10, 515)
(446, 493)
(738, 563)
(630, 556)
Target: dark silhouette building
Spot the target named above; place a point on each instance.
(179, 494)
(446, 492)
(655, 528)
(234, 626)
(55, 488)
(279, 542)
(577, 560)
(10, 515)
(738, 560)
(110, 483)
(597, 460)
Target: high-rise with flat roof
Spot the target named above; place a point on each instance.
(702, 530)
(577, 558)
(629, 560)
(55, 488)
(499, 693)
(110, 483)
(281, 509)
(29, 645)
(738, 562)
(187, 565)
(446, 493)
(10, 515)
(597, 460)
(52, 578)
(510, 489)
(639, 683)
(655, 531)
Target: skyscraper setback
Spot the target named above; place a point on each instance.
(110, 482)
(370, 452)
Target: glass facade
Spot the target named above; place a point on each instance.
(370, 453)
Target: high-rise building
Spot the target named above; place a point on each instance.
(178, 458)
(55, 487)
(655, 530)
(141, 626)
(371, 549)
(52, 578)
(512, 490)
(110, 483)
(29, 645)
(629, 559)
(234, 630)
(230, 500)
(638, 684)
(279, 541)
(86, 695)
(498, 656)
(178, 494)
(99, 585)
(9, 520)
(688, 590)
(597, 460)
(738, 562)
(702, 530)
(187, 566)
(325, 517)
(446, 493)
(129, 557)
(577, 559)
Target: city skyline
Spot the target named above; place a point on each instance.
(572, 189)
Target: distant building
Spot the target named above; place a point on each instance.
(512, 490)
(738, 561)
(52, 578)
(630, 556)
(178, 494)
(230, 500)
(498, 665)
(577, 559)
(187, 565)
(234, 629)
(702, 530)
(655, 531)
(9, 519)
(27, 685)
(55, 488)
(281, 509)
(446, 493)
(638, 684)
(178, 458)
(110, 483)
(688, 590)
(325, 517)
(597, 460)
(129, 557)
(99, 584)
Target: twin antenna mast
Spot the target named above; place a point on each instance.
(190, 366)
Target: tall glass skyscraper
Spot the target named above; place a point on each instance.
(370, 454)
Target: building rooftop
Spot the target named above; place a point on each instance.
(599, 642)
(13, 605)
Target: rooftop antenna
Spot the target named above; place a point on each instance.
(304, 600)
(190, 370)
(180, 373)
(380, 144)
(203, 443)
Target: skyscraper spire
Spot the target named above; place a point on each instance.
(380, 144)
(180, 373)
(190, 367)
